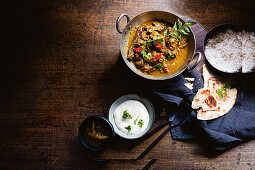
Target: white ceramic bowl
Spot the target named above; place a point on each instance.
(139, 98)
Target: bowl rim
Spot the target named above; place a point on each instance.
(126, 97)
(81, 130)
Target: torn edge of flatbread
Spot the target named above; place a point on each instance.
(189, 79)
(189, 85)
(210, 103)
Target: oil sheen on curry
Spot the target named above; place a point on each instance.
(155, 49)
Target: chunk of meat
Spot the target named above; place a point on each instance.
(144, 36)
(154, 34)
(174, 42)
(175, 52)
(139, 63)
(147, 68)
(162, 59)
(160, 27)
(138, 57)
(130, 56)
(165, 51)
(140, 42)
(170, 29)
(183, 45)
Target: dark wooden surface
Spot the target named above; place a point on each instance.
(60, 63)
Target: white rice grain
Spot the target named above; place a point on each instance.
(232, 51)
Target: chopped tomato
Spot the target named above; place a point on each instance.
(166, 69)
(140, 31)
(159, 46)
(138, 50)
(157, 57)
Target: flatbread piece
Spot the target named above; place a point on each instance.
(210, 103)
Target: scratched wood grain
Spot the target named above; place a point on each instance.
(60, 63)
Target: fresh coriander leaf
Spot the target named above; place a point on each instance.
(189, 23)
(165, 32)
(128, 128)
(227, 86)
(219, 92)
(222, 92)
(161, 40)
(126, 115)
(143, 53)
(136, 120)
(175, 26)
(144, 43)
(140, 123)
(155, 38)
(179, 23)
(149, 42)
(148, 56)
(170, 56)
(159, 66)
(155, 29)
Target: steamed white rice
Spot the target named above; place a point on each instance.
(232, 51)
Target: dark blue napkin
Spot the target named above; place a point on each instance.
(237, 126)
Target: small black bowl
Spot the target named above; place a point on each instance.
(102, 123)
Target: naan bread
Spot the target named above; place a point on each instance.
(210, 103)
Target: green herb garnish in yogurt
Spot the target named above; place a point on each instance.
(128, 128)
(140, 123)
(126, 115)
(136, 120)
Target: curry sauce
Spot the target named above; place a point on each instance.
(155, 50)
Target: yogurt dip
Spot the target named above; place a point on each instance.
(131, 117)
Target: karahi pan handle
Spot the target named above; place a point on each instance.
(189, 68)
(118, 21)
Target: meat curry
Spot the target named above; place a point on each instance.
(157, 49)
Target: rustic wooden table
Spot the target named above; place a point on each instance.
(61, 63)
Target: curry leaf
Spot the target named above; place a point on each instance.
(182, 31)
(179, 23)
(189, 23)
(175, 26)
(175, 35)
(186, 28)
